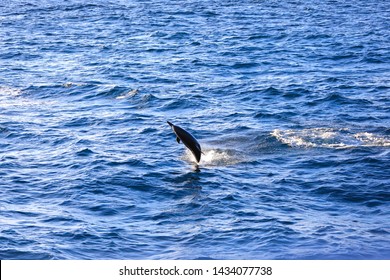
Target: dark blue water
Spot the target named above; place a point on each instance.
(290, 101)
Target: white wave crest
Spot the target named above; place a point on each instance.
(128, 94)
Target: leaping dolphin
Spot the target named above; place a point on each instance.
(188, 140)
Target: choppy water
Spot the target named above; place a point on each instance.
(290, 101)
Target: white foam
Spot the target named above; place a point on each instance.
(370, 139)
(329, 138)
(10, 91)
(71, 84)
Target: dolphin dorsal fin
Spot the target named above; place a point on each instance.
(178, 140)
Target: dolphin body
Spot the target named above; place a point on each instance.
(188, 140)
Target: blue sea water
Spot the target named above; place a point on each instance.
(290, 101)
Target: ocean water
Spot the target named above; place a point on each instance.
(290, 101)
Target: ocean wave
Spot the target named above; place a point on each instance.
(340, 99)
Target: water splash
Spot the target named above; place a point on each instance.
(216, 157)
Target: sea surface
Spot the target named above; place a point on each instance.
(290, 101)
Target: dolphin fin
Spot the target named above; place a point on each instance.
(178, 140)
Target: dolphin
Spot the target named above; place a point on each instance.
(188, 140)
